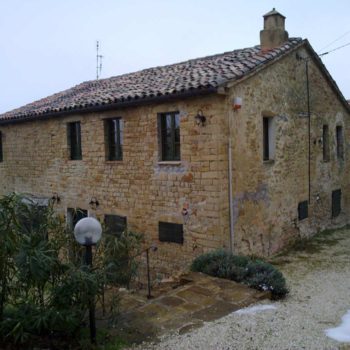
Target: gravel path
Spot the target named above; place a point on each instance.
(319, 280)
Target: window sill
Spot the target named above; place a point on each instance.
(170, 162)
(269, 161)
(114, 161)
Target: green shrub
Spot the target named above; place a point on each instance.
(118, 253)
(44, 289)
(253, 272)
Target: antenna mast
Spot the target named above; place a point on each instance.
(98, 61)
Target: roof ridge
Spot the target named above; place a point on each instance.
(181, 62)
(197, 74)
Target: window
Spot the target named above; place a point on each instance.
(170, 136)
(115, 224)
(32, 217)
(325, 138)
(169, 232)
(336, 203)
(114, 139)
(303, 210)
(74, 215)
(268, 138)
(340, 142)
(74, 140)
(1, 154)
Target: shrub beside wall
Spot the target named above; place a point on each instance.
(254, 273)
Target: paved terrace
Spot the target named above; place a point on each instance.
(196, 299)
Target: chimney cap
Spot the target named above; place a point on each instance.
(273, 12)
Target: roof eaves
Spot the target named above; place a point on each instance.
(327, 75)
(111, 106)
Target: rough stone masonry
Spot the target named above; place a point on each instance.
(281, 189)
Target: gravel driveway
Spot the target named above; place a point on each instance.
(318, 275)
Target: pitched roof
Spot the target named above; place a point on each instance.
(196, 76)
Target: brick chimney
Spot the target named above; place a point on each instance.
(274, 34)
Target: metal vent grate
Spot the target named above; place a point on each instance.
(115, 224)
(336, 203)
(169, 232)
(303, 212)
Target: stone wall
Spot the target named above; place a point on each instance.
(266, 193)
(146, 190)
(140, 187)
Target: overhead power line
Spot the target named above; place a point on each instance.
(337, 48)
(328, 45)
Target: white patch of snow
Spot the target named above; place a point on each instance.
(342, 332)
(255, 309)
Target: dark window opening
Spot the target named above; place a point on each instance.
(340, 142)
(115, 224)
(74, 215)
(32, 218)
(1, 154)
(169, 232)
(303, 210)
(114, 138)
(336, 203)
(75, 251)
(266, 138)
(74, 140)
(325, 138)
(170, 136)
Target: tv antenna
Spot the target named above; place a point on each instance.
(98, 61)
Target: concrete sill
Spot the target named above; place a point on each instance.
(112, 162)
(172, 162)
(269, 162)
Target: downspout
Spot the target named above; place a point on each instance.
(309, 122)
(230, 185)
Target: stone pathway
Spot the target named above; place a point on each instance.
(318, 275)
(198, 298)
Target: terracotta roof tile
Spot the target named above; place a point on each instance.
(198, 74)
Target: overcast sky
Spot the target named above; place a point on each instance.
(50, 45)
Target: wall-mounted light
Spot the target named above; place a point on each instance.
(200, 118)
(55, 198)
(94, 203)
(237, 103)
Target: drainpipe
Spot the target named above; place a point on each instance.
(230, 186)
(309, 121)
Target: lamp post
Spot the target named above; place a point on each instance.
(153, 248)
(87, 232)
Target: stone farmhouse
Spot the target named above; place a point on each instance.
(245, 150)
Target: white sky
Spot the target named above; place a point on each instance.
(50, 45)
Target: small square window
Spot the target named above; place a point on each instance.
(74, 140)
(169, 124)
(169, 232)
(115, 224)
(114, 138)
(303, 210)
(336, 203)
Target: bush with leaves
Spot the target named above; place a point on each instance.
(253, 272)
(45, 291)
(33, 274)
(118, 253)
